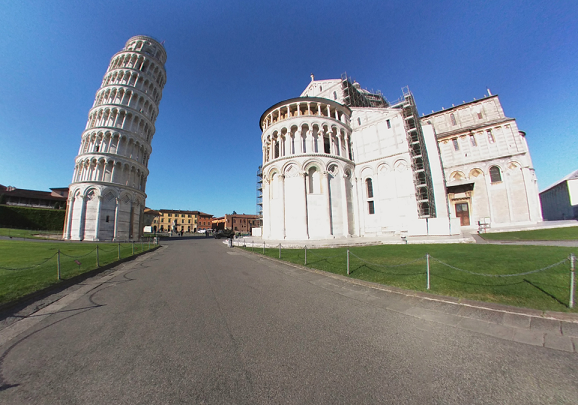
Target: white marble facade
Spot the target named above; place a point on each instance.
(335, 169)
(107, 193)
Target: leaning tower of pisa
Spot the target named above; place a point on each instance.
(107, 195)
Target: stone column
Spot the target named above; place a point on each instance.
(345, 212)
(69, 217)
(359, 205)
(310, 142)
(282, 192)
(115, 232)
(329, 229)
(266, 213)
(299, 141)
(81, 219)
(320, 141)
(97, 224)
(304, 188)
(287, 146)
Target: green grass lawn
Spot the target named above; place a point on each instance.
(404, 266)
(25, 233)
(26, 266)
(568, 233)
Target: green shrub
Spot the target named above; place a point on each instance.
(31, 218)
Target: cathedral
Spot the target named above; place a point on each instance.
(340, 161)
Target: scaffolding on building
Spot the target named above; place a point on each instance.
(424, 191)
(260, 195)
(355, 96)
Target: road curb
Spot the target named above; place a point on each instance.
(555, 330)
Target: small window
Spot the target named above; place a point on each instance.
(388, 124)
(369, 185)
(334, 95)
(107, 218)
(491, 138)
(456, 144)
(453, 118)
(473, 140)
(495, 175)
(480, 116)
(371, 207)
(320, 88)
(359, 121)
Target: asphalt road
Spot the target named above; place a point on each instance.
(199, 323)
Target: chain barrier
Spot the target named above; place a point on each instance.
(113, 249)
(501, 275)
(29, 267)
(78, 257)
(388, 266)
(309, 251)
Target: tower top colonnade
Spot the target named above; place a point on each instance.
(147, 45)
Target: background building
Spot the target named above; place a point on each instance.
(180, 220)
(560, 200)
(56, 198)
(107, 194)
(341, 161)
(242, 223)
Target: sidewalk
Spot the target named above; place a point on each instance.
(553, 330)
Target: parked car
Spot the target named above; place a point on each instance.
(225, 233)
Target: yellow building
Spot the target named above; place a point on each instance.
(178, 221)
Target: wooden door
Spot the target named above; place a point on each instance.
(463, 213)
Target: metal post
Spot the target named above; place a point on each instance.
(279, 250)
(58, 264)
(141, 250)
(348, 262)
(305, 255)
(263, 247)
(572, 269)
(427, 268)
(97, 263)
(118, 250)
(149, 243)
(133, 247)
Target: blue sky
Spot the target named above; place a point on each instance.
(228, 61)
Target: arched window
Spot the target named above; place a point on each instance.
(495, 175)
(369, 190)
(313, 177)
(369, 185)
(276, 151)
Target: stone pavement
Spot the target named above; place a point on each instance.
(554, 330)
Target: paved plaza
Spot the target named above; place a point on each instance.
(198, 322)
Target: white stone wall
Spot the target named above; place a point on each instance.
(472, 139)
(560, 202)
(317, 187)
